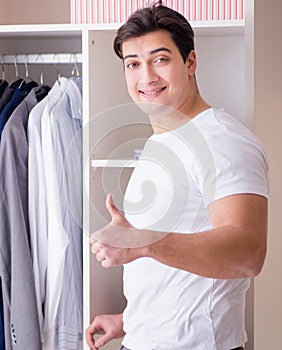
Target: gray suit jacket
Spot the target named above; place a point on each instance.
(20, 312)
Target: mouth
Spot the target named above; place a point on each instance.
(151, 93)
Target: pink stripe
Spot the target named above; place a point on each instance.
(229, 15)
(194, 10)
(242, 10)
(120, 10)
(105, 12)
(212, 11)
(93, 11)
(218, 9)
(200, 11)
(80, 11)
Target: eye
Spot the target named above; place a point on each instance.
(161, 60)
(131, 65)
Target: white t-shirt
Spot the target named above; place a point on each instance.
(180, 173)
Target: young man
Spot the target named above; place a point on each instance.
(195, 224)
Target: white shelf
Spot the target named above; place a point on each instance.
(73, 30)
(113, 163)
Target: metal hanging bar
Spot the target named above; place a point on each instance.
(58, 58)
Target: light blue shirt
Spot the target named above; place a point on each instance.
(66, 130)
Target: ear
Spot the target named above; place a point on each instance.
(191, 63)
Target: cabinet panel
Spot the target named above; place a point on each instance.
(221, 72)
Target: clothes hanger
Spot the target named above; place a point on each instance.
(41, 78)
(3, 67)
(27, 77)
(16, 67)
(73, 60)
(18, 80)
(42, 90)
(56, 68)
(3, 82)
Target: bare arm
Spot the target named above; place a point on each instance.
(234, 248)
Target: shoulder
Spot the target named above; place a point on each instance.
(226, 135)
(238, 162)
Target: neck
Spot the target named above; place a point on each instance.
(190, 109)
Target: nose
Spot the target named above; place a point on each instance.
(148, 75)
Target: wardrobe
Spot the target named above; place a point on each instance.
(113, 127)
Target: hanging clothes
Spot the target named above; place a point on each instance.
(56, 230)
(2, 337)
(37, 201)
(8, 92)
(19, 94)
(20, 312)
(41, 215)
(3, 85)
(66, 130)
(61, 240)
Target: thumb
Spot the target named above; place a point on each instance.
(113, 210)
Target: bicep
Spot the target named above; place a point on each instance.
(248, 212)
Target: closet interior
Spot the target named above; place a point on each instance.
(113, 127)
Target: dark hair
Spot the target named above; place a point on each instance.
(151, 19)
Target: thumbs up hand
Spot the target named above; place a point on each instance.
(118, 242)
(118, 218)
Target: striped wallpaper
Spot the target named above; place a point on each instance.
(117, 11)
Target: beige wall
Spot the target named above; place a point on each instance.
(3, 11)
(268, 126)
(34, 11)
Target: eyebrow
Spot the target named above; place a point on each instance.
(151, 52)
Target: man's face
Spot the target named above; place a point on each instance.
(156, 76)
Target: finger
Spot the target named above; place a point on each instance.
(95, 247)
(92, 239)
(103, 340)
(113, 210)
(89, 337)
(106, 263)
(100, 257)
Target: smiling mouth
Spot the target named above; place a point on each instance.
(153, 92)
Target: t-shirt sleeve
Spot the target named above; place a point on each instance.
(236, 164)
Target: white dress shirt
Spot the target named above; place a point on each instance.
(37, 205)
(48, 238)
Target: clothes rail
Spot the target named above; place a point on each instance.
(53, 58)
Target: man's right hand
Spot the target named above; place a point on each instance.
(110, 325)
